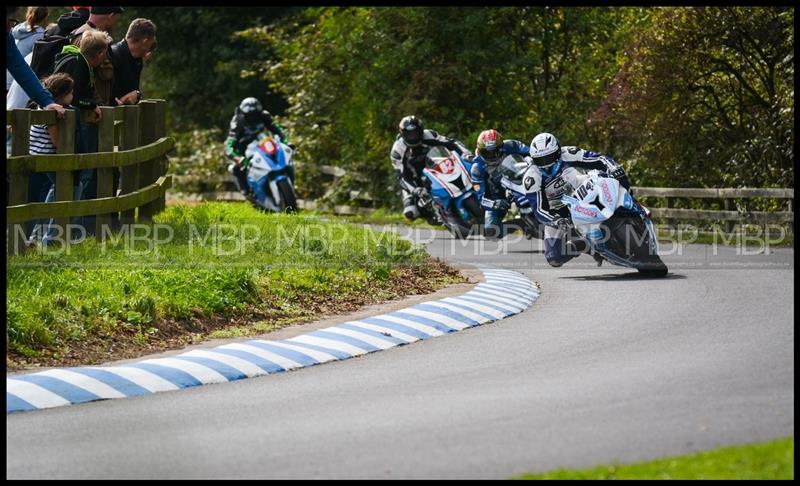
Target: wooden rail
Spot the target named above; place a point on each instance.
(131, 139)
(667, 193)
(726, 194)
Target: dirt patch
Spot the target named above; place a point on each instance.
(129, 342)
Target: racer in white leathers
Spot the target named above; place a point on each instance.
(408, 159)
(556, 171)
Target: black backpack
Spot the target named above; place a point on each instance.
(44, 54)
(46, 48)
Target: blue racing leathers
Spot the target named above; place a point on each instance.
(492, 194)
(545, 188)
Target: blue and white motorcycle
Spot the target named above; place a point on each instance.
(614, 224)
(270, 174)
(453, 192)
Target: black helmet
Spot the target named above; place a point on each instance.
(250, 108)
(411, 130)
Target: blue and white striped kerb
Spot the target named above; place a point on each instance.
(504, 293)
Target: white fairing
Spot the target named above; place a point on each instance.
(595, 200)
(449, 172)
(259, 165)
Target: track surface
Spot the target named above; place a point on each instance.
(604, 367)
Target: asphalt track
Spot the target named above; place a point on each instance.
(605, 366)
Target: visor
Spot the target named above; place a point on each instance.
(490, 154)
(251, 117)
(546, 161)
(412, 138)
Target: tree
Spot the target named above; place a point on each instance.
(706, 97)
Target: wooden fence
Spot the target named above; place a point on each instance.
(131, 139)
(666, 212)
(728, 195)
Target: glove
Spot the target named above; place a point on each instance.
(468, 157)
(617, 172)
(495, 204)
(418, 191)
(563, 224)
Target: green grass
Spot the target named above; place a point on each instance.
(386, 217)
(286, 269)
(769, 460)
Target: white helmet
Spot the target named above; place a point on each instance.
(545, 151)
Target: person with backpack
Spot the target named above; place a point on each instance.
(28, 32)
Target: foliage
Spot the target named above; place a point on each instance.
(706, 98)
(200, 67)
(635, 83)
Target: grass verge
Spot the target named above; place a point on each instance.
(210, 270)
(768, 460)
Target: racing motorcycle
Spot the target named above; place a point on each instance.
(615, 225)
(512, 168)
(270, 174)
(452, 192)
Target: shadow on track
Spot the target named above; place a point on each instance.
(626, 276)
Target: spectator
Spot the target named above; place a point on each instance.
(44, 140)
(79, 64)
(127, 57)
(28, 32)
(22, 73)
(101, 18)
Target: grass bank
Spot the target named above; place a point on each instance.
(769, 460)
(209, 270)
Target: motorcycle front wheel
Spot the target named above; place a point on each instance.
(288, 197)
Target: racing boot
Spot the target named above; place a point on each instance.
(410, 209)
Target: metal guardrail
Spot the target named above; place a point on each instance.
(131, 138)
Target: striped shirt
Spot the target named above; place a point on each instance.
(41, 143)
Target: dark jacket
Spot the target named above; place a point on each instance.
(241, 134)
(78, 68)
(127, 71)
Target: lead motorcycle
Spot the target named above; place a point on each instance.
(270, 174)
(452, 192)
(615, 225)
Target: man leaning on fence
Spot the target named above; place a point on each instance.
(79, 62)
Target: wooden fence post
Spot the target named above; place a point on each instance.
(105, 175)
(160, 130)
(729, 225)
(148, 172)
(64, 178)
(668, 204)
(18, 182)
(129, 175)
